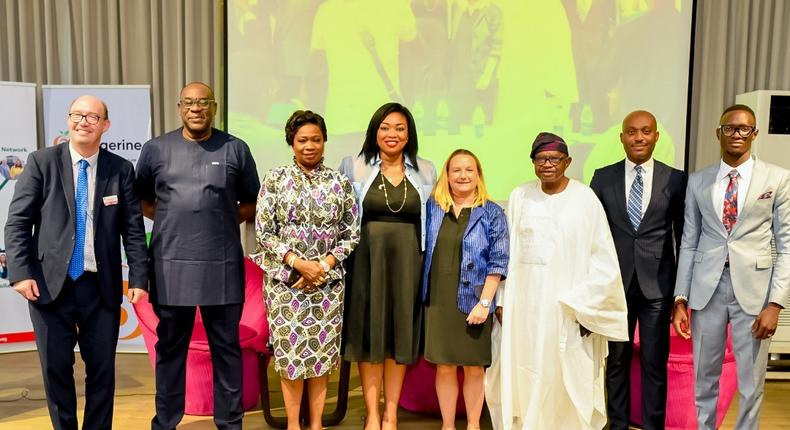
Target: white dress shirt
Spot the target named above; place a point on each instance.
(89, 256)
(647, 180)
(723, 179)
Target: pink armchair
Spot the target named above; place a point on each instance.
(419, 390)
(419, 394)
(681, 411)
(253, 336)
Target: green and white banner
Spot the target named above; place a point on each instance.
(18, 110)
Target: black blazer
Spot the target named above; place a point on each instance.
(650, 252)
(39, 234)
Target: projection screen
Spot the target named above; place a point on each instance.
(485, 75)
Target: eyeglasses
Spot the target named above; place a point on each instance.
(201, 103)
(743, 130)
(554, 161)
(76, 118)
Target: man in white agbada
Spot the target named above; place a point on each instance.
(563, 300)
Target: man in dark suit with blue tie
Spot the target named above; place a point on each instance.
(73, 207)
(643, 199)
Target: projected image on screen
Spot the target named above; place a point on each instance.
(486, 75)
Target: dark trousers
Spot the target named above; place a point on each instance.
(78, 316)
(174, 331)
(653, 317)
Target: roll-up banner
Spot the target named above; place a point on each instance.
(18, 109)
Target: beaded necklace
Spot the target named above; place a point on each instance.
(386, 197)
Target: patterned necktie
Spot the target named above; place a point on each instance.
(730, 211)
(77, 262)
(635, 199)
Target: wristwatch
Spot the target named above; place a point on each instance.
(324, 265)
(485, 303)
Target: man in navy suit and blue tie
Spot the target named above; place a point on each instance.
(643, 200)
(726, 272)
(73, 207)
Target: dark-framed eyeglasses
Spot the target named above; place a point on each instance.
(743, 130)
(554, 161)
(76, 117)
(201, 103)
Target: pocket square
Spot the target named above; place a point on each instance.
(110, 200)
(765, 195)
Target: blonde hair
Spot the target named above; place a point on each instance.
(441, 192)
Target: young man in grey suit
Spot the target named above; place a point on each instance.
(643, 200)
(725, 271)
(73, 206)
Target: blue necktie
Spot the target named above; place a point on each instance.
(77, 263)
(635, 199)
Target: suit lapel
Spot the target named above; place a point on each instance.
(657, 190)
(756, 186)
(434, 222)
(474, 217)
(67, 177)
(103, 171)
(618, 188)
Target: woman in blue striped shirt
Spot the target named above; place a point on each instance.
(466, 257)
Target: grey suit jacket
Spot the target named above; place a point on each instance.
(756, 280)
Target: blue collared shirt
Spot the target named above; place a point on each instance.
(362, 174)
(485, 251)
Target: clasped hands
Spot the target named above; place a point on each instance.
(313, 275)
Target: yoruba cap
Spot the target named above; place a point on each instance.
(548, 142)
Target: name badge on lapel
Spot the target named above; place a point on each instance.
(110, 200)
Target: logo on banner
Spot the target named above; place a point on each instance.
(62, 137)
(123, 145)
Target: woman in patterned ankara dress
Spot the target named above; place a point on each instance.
(306, 224)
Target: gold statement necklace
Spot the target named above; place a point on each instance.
(386, 197)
